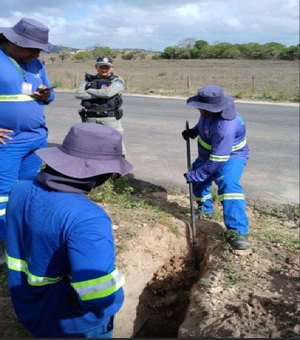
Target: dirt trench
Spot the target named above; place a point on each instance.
(160, 279)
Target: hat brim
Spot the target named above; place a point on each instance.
(24, 42)
(102, 63)
(229, 113)
(82, 168)
(226, 102)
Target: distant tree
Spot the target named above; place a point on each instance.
(169, 53)
(82, 56)
(290, 53)
(96, 51)
(52, 59)
(128, 56)
(63, 55)
(272, 50)
(200, 49)
(200, 44)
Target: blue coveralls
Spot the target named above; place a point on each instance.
(25, 116)
(61, 263)
(222, 156)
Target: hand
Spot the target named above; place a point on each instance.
(4, 135)
(189, 133)
(186, 177)
(42, 96)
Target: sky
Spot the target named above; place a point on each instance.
(157, 24)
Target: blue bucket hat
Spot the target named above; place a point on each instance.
(212, 98)
(28, 33)
(88, 150)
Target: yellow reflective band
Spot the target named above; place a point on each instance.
(231, 196)
(203, 199)
(21, 266)
(100, 287)
(234, 148)
(15, 98)
(216, 158)
(3, 199)
(2, 212)
(240, 145)
(204, 144)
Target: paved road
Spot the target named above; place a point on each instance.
(155, 147)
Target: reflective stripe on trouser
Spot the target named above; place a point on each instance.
(230, 194)
(20, 162)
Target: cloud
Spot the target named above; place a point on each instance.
(156, 24)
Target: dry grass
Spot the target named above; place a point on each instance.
(255, 79)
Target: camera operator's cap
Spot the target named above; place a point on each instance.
(88, 150)
(212, 98)
(28, 33)
(104, 60)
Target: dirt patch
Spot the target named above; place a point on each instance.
(231, 295)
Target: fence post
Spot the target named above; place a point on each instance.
(253, 85)
(188, 84)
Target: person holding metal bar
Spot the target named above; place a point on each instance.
(222, 156)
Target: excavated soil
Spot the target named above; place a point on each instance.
(251, 294)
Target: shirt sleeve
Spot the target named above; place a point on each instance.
(95, 279)
(221, 147)
(46, 81)
(81, 93)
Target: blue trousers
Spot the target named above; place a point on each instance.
(17, 161)
(230, 193)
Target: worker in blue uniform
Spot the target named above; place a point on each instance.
(222, 155)
(22, 120)
(60, 247)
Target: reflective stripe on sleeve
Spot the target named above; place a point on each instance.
(234, 148)
(3, 199)
(204, 144)
(15, 98)
(100, 287)
(33, 280)
(216, 158)
(2, 212)
(240, 145)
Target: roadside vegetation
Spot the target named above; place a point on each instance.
(264, 76)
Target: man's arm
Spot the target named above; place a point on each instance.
(81, 93)
(116, 86)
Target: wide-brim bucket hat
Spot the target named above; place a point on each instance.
(213, 99)
(88, 150)
(28, 33)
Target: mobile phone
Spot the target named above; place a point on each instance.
(45, 89)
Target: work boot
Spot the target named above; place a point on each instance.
(204, 213)
(238, 241)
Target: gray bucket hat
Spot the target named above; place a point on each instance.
(28, 33)
(212, 98)
(88, 150)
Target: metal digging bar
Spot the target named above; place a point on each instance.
(189, 167)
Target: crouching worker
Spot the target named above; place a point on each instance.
(60, 247)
